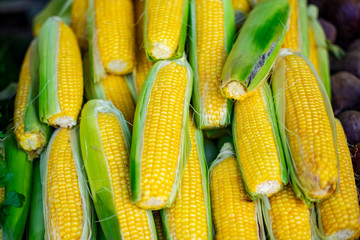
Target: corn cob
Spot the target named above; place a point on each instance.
(105, 143)
(189, 217)
(319, 55)
(21, 169)
(143, 63)
(60, 8)
(160, 144)
(255, 48)
(61, 75)
(165, 28)
(31, 134)
(255, 127)
(340, 215)
(296, 37)
(288, 217)
(233, 213)
(65, 197)
(78, 22)
(159, 225)
(112, 36)
(213, 110)
(307, 127)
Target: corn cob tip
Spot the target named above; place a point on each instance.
(62, 121)
(117, 66)
(32, 141)
(268, 187)
(234, 90)
(161, 51)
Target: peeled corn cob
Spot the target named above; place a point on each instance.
(212, 33)
(105, 145)
(160, 144)
(189, 217)
(78, 21)
(31, 134)
(61, 74)
(255, 48)
(340, 215)
(165, 28)
(112, 36)
(255, 127)
(234, 215)
(67, 209)
(307, 126)
(296, 37)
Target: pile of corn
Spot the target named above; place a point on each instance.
(128, 160)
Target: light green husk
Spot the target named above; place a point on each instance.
(268, 100)
(36, 218)
(182, 38)
(303, 24)
(278, 88)
(60, 8)
(165, 213)
(321, 44)
(31, 120)
(99, 176)
(82, 179)
(138, 131)
(229, 34)
(255, 48)
(17, 163)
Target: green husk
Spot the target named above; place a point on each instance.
(36, 218)
(31, 120)
(182, 38)
(205, 186)
(82, 179)
(303, 24)
(321, 44)
(226, 151)
(48, 53)
(255, 48)
(229, 34)
(99, 178)
(60, 8)
(138, 130)
(278, 85)
(21, 169)
(268, 100)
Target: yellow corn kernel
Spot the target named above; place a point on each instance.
(210, 34)
(340, 214)
(233, 214)
(79, 15)
(115, 35)
(159, 225)
(162, 135)
(289, 216)
(308, 130)
(187, 217)
(63, 193)
(257, 148)
(241, 5)
(143, 63)
(133, 220)
(30, 140)
(69, 79)
(313, 56)
(118, 92)
(164, 20)
(292, 37)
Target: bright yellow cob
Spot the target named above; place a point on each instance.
(340, 214)
(292, 39)
(210, 34)
(133, 220)
(241, 5)
(164, 27)
(289, 216)
(78, 21)
(308, 126)
(233, 213)
(115, 35)
(254, 129)
(187, 217)
(159, 225)
(118, 92)
(143, 63)
(63, 194)
(313, 54)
